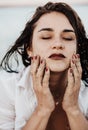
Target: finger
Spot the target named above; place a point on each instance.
(78, 65)
(34, 65)
(76, 61)
(70, 81)
(45, 81)
(40, 71)
(33, 70)
(76, 73)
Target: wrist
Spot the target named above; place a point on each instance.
(73, 111)
(42, 112)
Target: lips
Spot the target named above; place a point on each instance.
(57, 56)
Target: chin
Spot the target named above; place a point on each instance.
(59, 68)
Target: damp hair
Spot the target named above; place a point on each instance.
(25, 39)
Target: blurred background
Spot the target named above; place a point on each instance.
(15, 13)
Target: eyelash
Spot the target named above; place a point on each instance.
(68, 39)
(46, 38)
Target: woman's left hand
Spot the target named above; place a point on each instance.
(70, 100)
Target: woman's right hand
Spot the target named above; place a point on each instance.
(40, 75)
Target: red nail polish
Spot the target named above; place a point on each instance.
(46, 69)
(31, 58)
(41, 61)
(71, 71)
(78, 56)
(35, 57)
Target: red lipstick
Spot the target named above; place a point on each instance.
(57, 56)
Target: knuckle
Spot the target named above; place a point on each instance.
(44, 82)
(37, 78)
(39, 74)
(46, 76)
(32, 73)
(77, 76)
(45, 92)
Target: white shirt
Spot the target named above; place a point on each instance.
(18, 100)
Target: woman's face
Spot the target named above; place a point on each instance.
(54, 40)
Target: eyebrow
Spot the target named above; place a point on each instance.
(50, 29)
(68, 30)
(46, 29)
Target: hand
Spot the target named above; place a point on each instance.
(70, 100)
(40, 75)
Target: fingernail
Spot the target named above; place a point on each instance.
(46, 69)
(31, 58)
(41, 61)
(78, 56)
(35, 57)
(71, 71)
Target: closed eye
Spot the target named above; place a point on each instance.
(68, 38)
(46, 38)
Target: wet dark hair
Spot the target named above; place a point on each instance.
(25, 39)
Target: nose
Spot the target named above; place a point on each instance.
(57, 44)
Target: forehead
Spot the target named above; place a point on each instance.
(55, 20)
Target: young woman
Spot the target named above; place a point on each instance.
(51, 92)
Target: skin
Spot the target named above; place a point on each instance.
(48, 39)
(51, 38)
(54, 34)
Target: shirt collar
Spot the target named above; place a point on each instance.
(24, 78)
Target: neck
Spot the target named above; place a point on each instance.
(57, 84)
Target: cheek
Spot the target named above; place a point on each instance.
(70, 56)
(70, 52)
(39, 49)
